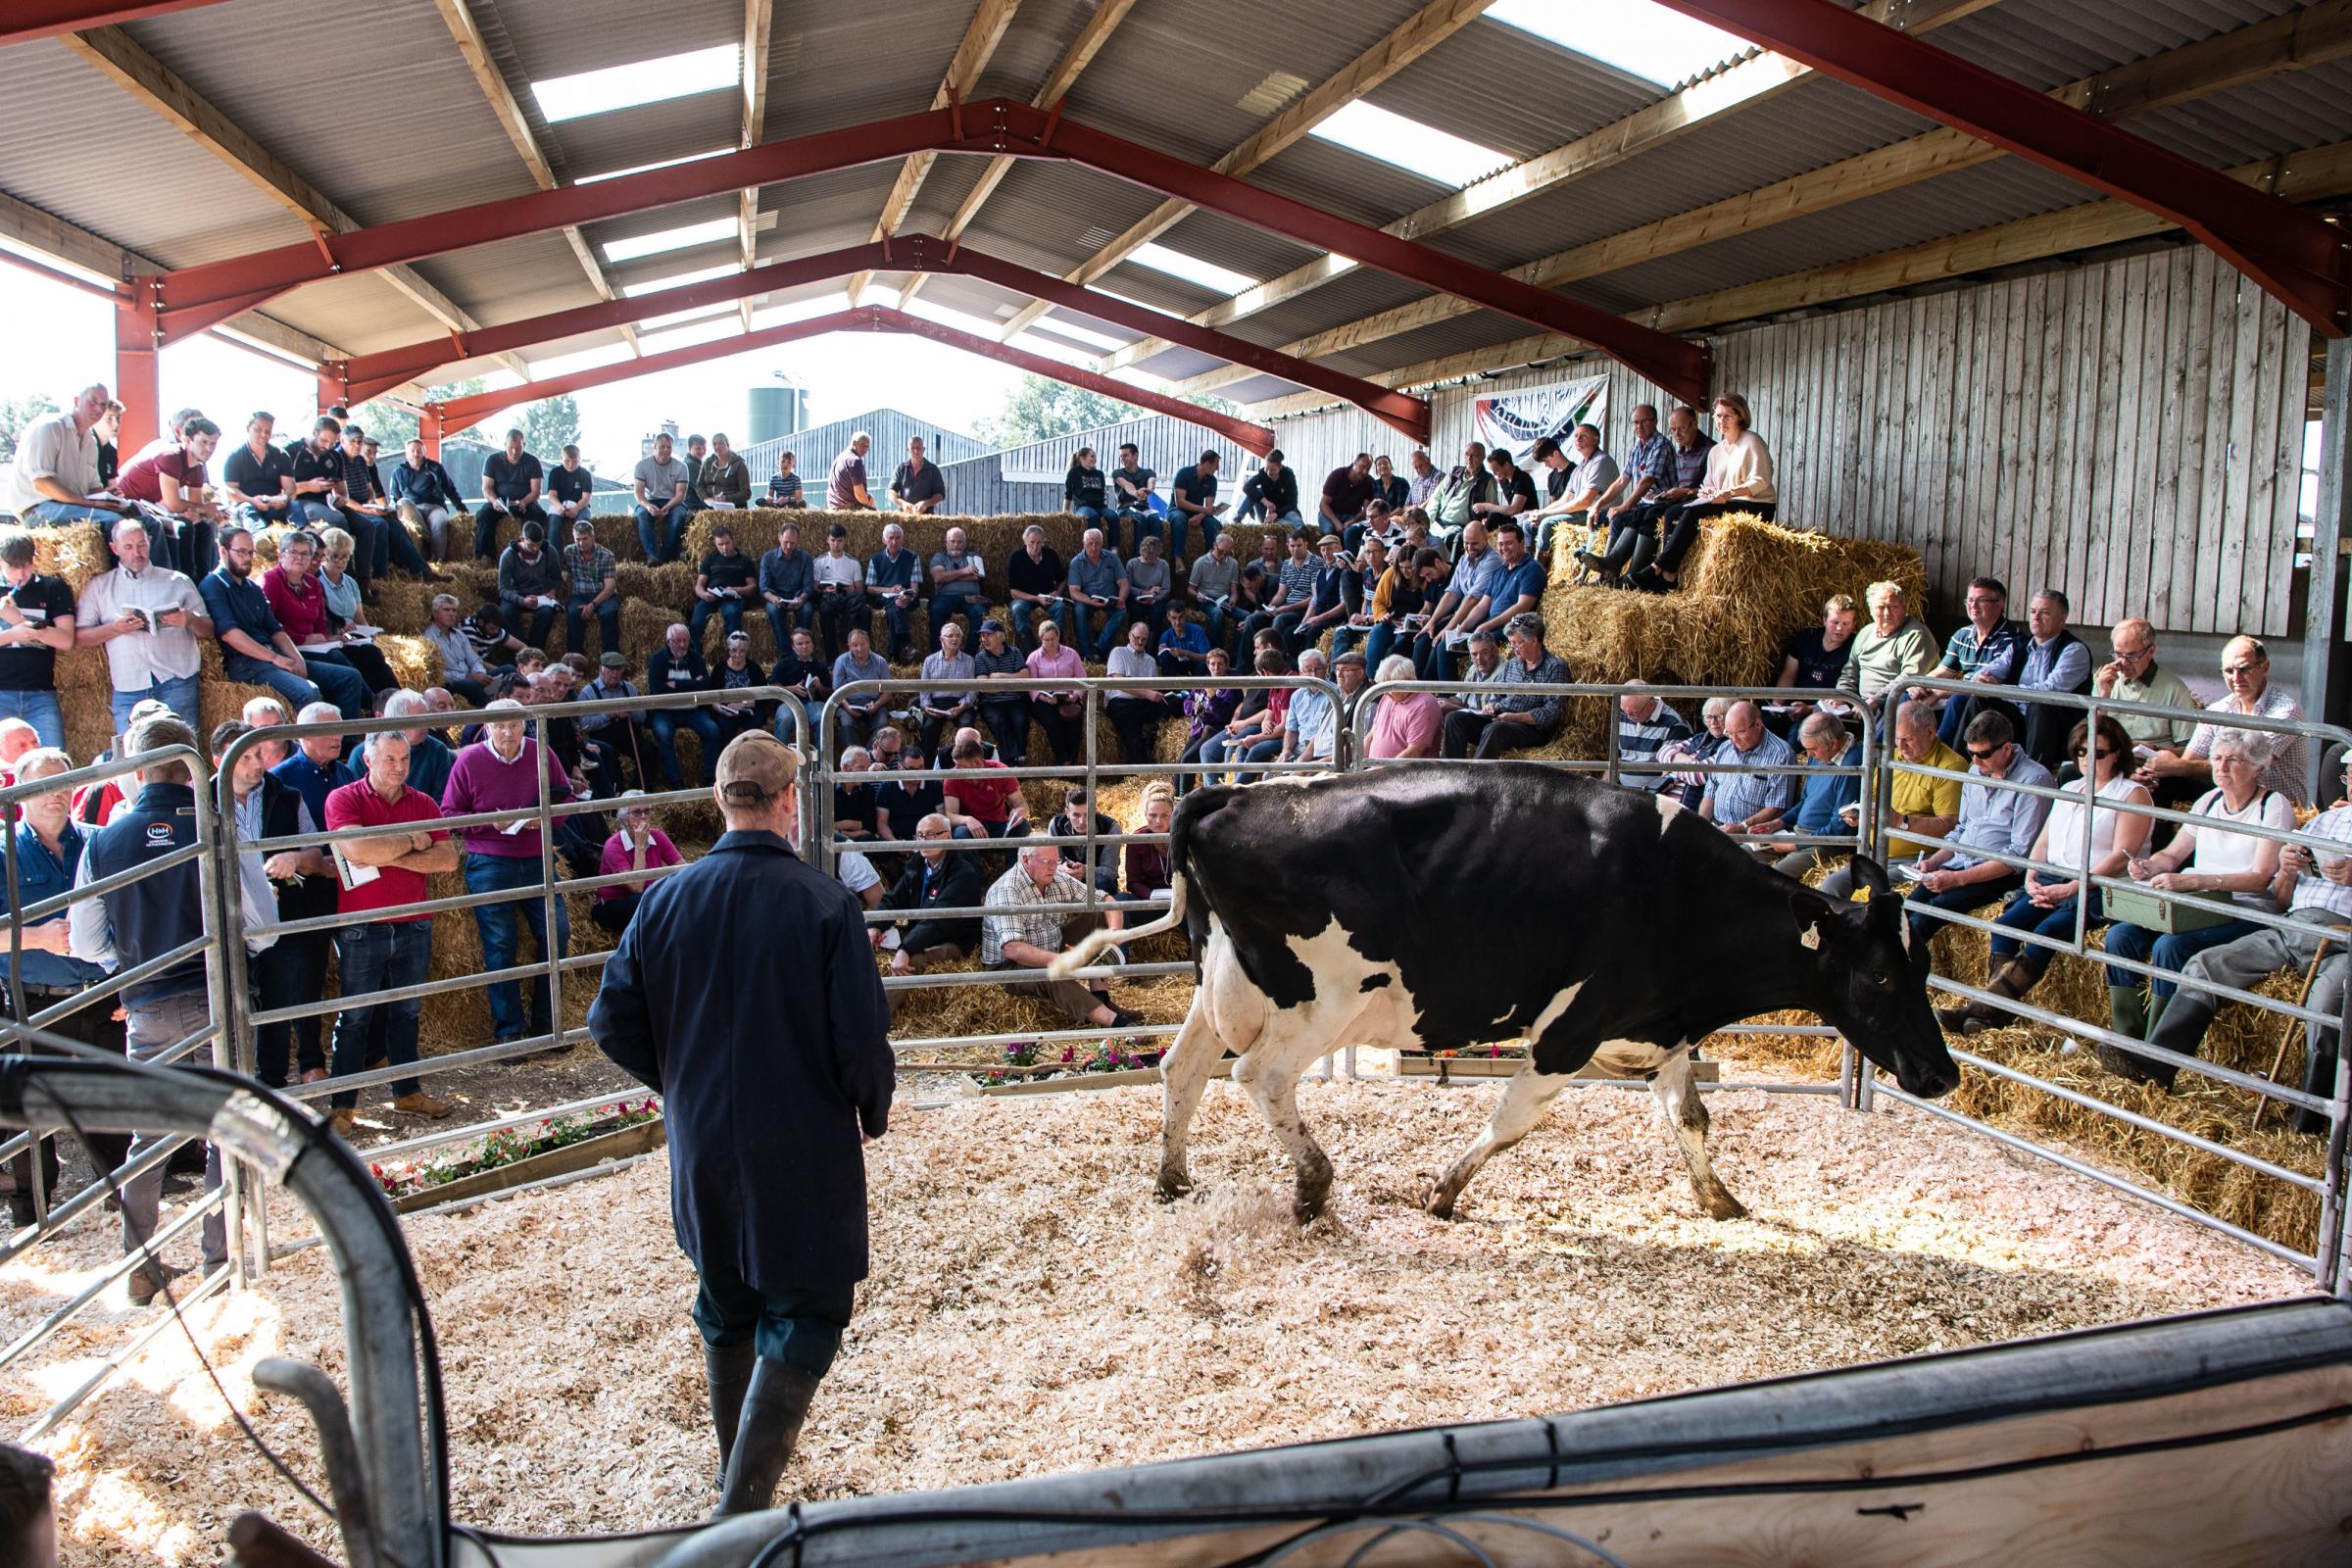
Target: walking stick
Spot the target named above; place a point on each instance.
(2286, 1036)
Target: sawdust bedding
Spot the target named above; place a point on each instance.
(1032, 1309)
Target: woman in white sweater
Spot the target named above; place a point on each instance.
(1739, 479)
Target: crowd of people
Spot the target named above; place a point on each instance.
(1430, 574)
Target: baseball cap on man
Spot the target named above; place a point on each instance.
(755, 768)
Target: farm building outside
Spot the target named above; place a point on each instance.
(2008, 291)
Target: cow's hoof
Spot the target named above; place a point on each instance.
(1171, 1187)
(1722, 1205)
(1436, 1202)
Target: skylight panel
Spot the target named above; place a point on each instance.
(801, 310)
(674, 318)
(683, 237)
(595, 359)
(647, 169)
(1129, 299)
(921, 306)
(701, 275)
(645, 81)
(1048, 348)
(1433, 154)
(1192, 269)
(1059, 322)
(1636, 37)
(708, 331)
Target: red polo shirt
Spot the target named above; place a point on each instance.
(301, 612)
(359, 806)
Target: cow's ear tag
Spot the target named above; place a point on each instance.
(1812, 937)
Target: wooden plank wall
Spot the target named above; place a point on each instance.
(2130, 431)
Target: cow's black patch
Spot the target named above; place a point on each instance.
(1373, 982)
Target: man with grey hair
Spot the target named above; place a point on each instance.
(430, 756)
(54, 479)
(144, 918)
(1646, 726)
(1012, 940)
(1098, 585)
(918, 486)
(506, 771)
(462, 669)
(890, 583)
(933, 878)
(1822, 798)
(1750, 803)
(718, 1013)
(1963, 874)
(149, 620)
(677, 666)
(1513, 722)
(844, 486)
(956, 588)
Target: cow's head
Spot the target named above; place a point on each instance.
(1872, 986)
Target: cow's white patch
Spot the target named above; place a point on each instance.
(1631, 1058)
(1387, 1015)
(1552, 1011)
(1667, 810)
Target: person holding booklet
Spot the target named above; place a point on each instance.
(356, 638)
(637, 848)
(1211, 584)
(1035, 579)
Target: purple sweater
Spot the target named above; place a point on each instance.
(479, 782)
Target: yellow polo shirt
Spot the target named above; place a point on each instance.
(1916, 796)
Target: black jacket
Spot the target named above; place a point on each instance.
(692, 673)
(960, 884)
(157, 912)
(743, 991)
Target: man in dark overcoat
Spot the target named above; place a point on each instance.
(745, 994)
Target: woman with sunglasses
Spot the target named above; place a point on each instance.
(2046, 904)
(2213, 860)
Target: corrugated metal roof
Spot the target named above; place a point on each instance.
(1341, 180)
(1051, 216)
(575, 35)
(1251, 252)
(361, 311)
(1553, 95)
(2046, 42)
(2308, 109)
(1032, 45)
(630, 138)
(511, 280)
(837, 63)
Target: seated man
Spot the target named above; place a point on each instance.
(530, 586)
(1513, 722)
(989, 803)
(663, 483)
(1183, 647)
(891, 585)
(1208, 587)
(1917, 803)
(1011, 940)
(956, 588)
(860, 712)
(1098, 588)
(784, 485)
(722, 583)
(840, 590)
(1272, 493)
(934, 878)
(513, 481)
(591, 582)
(1987, 650)
(463, 668)
(1576, 481)
(2316, 891)
(638, 848)
(1150, 582)
(1823, 800)
(1958, 876)
(426, 498)
(382, 540)
(1812, 659)
(787, 585)
(255, 648)
(1750, 803)
(1326, 600)
(1646, 726)
(678, 666)
(2132, 675)
(2053, 660)
(1038, 585)
(570, 492)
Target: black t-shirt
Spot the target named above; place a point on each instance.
(854, 803)
(1555, 483)
(569, 484)
(1200, 489)
(730, 571)
(792, 671)
(512, 481)
(360, 479)
(1279, 492)
(1044, 575)
(907, 802)
(912, 484)
(42, 602)
(309, 463)
(1817, 667)
(261, 477)
(1522, 485)
(1136, 477)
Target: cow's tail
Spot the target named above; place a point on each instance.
(1085, 951)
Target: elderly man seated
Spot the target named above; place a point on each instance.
(1824, 798)
(1963, 874)
(1513, 722)
(1012, 939)
(2316, 889)
(1917, 803)
(935, 878)
(1646, 726)
(1750, 803)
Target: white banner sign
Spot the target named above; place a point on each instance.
(1517, 420)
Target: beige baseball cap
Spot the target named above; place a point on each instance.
(755, 768)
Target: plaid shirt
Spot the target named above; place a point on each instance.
(586, 573)
(2314, 890)
(1550, 670)
(1009, 892)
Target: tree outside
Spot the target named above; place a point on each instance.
(17, 412)
(393, 427)
(1041, 408)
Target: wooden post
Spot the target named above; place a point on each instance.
(2331, 532)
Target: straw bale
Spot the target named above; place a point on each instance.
(76, 552)
(403, 604)
(86, 690)
(416, 661)
(1585, 1278)
(617, 533)
(670, 586)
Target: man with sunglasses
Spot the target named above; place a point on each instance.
(1993, 818)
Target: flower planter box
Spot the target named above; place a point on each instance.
(619, 1143)
(1417, 1064)
(1067, 1082)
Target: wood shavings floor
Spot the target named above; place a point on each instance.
(1033, 1309)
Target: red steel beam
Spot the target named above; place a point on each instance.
(22, 21)
(2294, 256)
(194, 297)
(459, 412)
(369, 374)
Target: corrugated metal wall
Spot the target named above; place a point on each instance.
(2129, 432)
(816, 448)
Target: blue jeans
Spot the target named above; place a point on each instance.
(783, 619)
(1114, 630)
(800, 1326)
(1097, 517)
(958, 597)
(41, 710)
(729, 610)
(661, 533)
(498, 925)
(179, 693)
(665, 724)
(575, 623)
(308, 512)
(1379, 645)
(330, 680)
(382, 955)
(395, 546)
(531, 622)
(2172, 950)
(2023, 915)
(1024, 619)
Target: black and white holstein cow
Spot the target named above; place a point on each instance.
(1442, 909)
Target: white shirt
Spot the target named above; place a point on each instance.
(141, 658)
(2064, 826)
(856, 871)
(53, 448)
(2220, 851)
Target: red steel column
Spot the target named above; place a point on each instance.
(138, 384)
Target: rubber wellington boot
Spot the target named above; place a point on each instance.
(773, 1407)
(2127, 1011)
(2015, 979)
(728, 1368)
